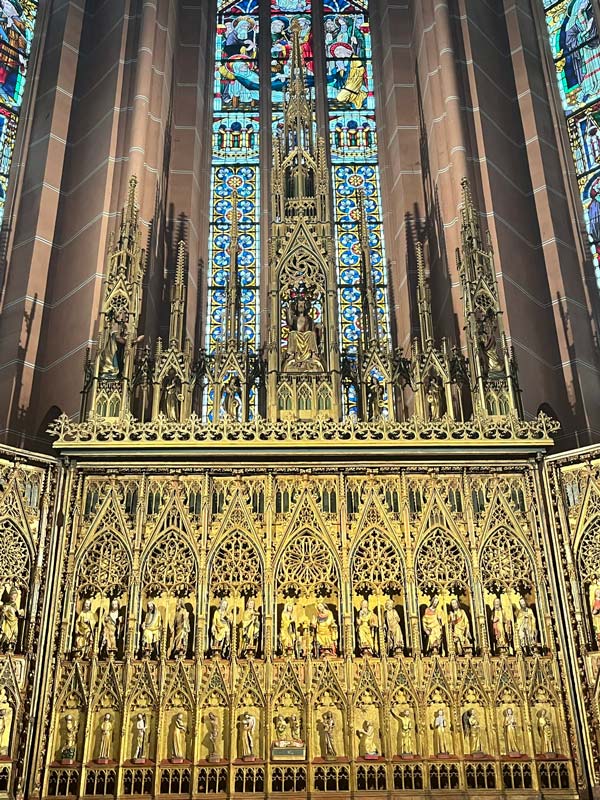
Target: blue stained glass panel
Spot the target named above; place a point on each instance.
(17, 24)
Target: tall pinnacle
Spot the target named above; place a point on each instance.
(423, 298)
(471, 229)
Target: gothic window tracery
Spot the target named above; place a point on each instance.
(588, 567)
(15, 560)
(170, 567)
(105, 567)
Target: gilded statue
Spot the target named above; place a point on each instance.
(325, 631)
(288, 640)
(488, 343)
(296, 729)
(546, 732)
(247, 729)
(106, 734)
(6, 720)
(181, 629)
(112, 624)
(214, 734)
(10, 613)
(141, 739)
(441, 734)
(232, 397)
(405, 731)
(85, 626)
(250, 628)
(221, 630)
(111, 357)
(179, 743)
(368, 746)
(472, 732)
(433, 627)
(151, 631)
(69, 748)
(394, 638)
(281, 731)
(460, 629)
(303, 344)
(435, 395)
(526, 628)
(501, 628)
(595, 610)
(510, 732)
(328, 728)
(374, 397)
(171, 398)
(366, 629)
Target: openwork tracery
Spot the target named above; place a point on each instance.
(440, 564)
(15, 562)
(170, 566)
(376, 566)
(236, 567)
(505, 563)
(588, 554)
(307, 567)
(105, 566)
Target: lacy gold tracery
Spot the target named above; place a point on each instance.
(440, 562)
(505, 563)
(105, 566)
(15, 563)
(588, 556)
(307, 567)
(376, 566)
(236, 567)
(170, 566)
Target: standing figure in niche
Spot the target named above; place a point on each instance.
(526, 628)
(366, 735)
(69, 748)
(139, 751)
(179, 747)
(181, 629)
(374, 398)
(325, 630)
(393, 630)
(296, 729)
(546, 731)
(501, 628)
(405, 729)
(6, 719)
(441, 734)
(111, 628)
(510, 732)
(366, 628)
(459, 625)
(595, 610)
(488, 344)
(221, 630)
(247, 727)
(232, 397)
(472, 731)
(152, 631)
(435, 395)
(111, 358)
(172, 398)
(85, 625)
(288, 639)
(10, 613)
(106, 732)
(214, 732)
(328, 724)
(250, 629)
(281, 731)
(433, 627)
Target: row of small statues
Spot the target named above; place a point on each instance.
(320, 637)
(288, 736)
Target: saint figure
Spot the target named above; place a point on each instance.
(328, 725)
(546, 732)
(366, 627)
(303, 346)
(501, 628)
(526, 628)
(171, 399)
(433, 627)
(325, 630)
(296, 729)
(250, 628)
(393, 630)
(106, 732)
(459, 626)
(281, 731)
(10, 613)
(221, 630)
(139, 750)
(151, 630)
(179, 746)
(69, 748)
(441, 734)
(374, 398)
(405, 731)
(510, 732)
(111, 628)
(181, 629)
(366, 734)
(287, 631)
(85, 625)
(247, 727)
(232, 397)
(213, 735)
(472, 731)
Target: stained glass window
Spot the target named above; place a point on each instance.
(17, 22)
(575, 46)
(353, 142)
(235, 167)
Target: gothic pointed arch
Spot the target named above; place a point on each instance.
(235, 566)
(441, 565)
(169, 566)
(306, 566)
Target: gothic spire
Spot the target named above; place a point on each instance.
(178, 298)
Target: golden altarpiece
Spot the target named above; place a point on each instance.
(228, 586)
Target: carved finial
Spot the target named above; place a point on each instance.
(424, 297)
(180, 268)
